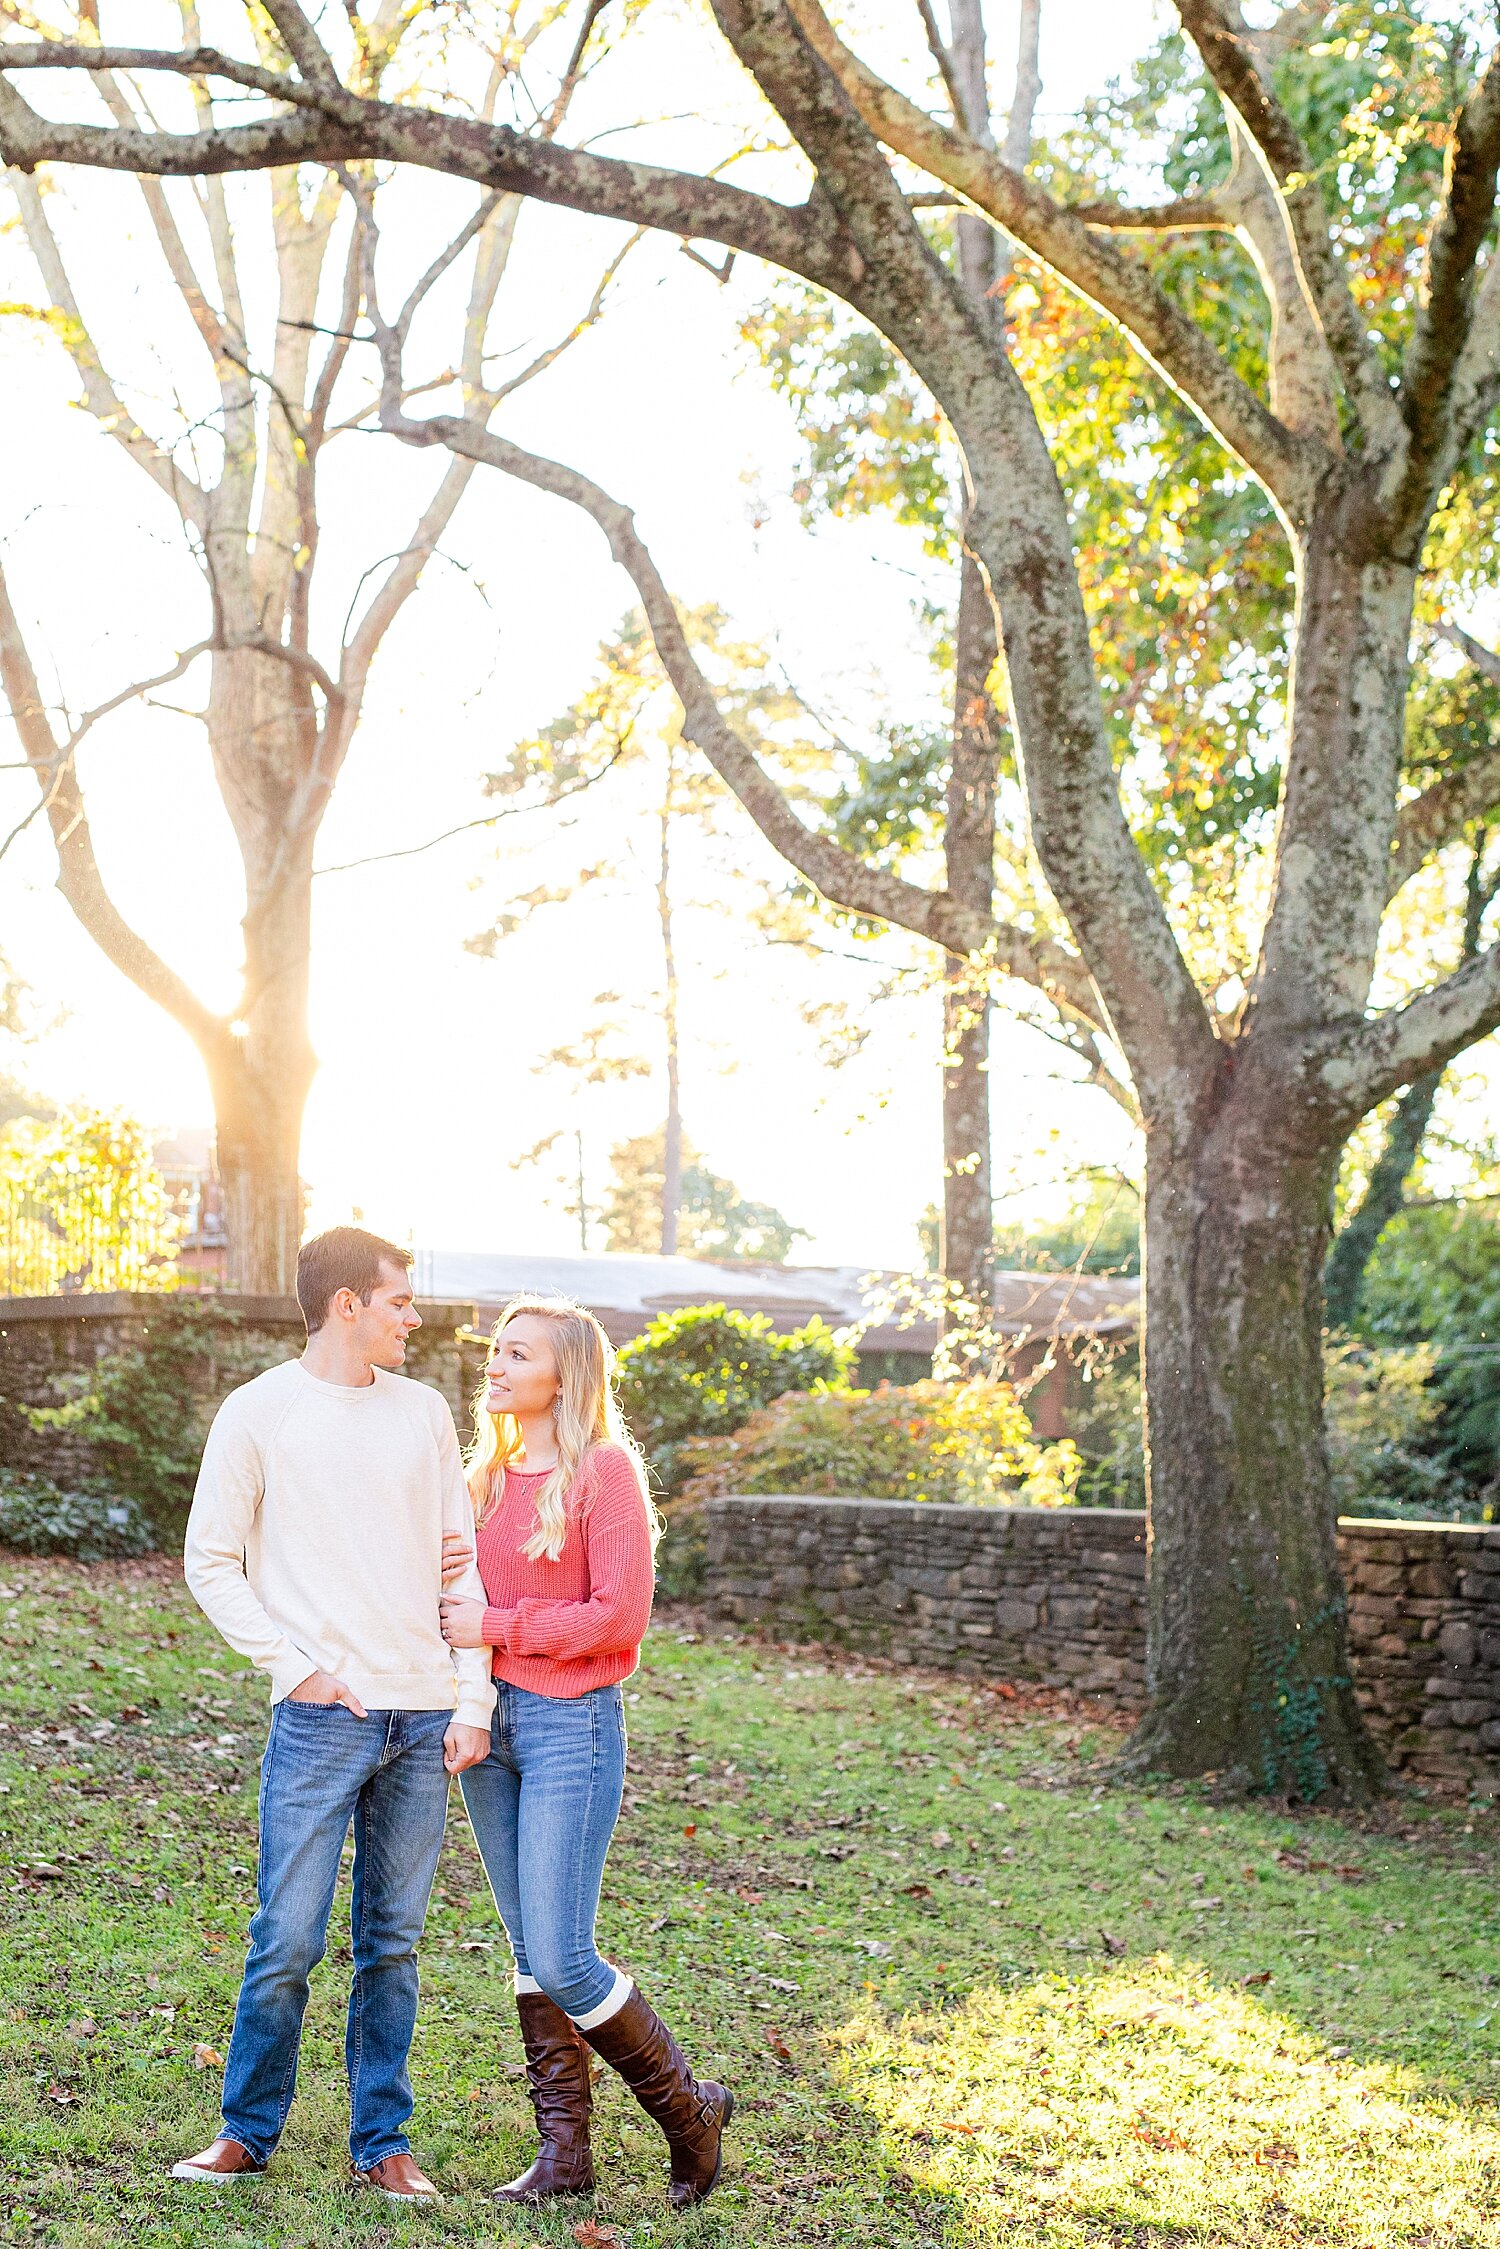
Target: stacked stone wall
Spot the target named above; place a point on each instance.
(44, 1340)
(1058, 1597)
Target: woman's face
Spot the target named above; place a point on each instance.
(522, 1374)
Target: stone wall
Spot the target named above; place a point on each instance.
(46, 1339)
(1059, 1597)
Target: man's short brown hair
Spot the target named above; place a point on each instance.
(344, 1257)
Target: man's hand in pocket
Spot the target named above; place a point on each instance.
(321, 1686)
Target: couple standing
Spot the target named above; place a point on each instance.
(331, 1511)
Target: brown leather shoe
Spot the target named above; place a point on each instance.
(398, 2179)
(557, 2077)
(691, 2112)
(219, 2165)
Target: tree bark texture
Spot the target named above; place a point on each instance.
(1248, 1669)
(968, 1244)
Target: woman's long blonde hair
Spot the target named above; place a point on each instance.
(587, 1414)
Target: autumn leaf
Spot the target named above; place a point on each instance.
(207, 2057)
(691, 1829)
(1113, 1945)
(918, 1890)
(64, 2096)
(779, 2046)
(1251, 1981)
(598, 2233)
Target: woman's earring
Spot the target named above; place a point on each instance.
(555, 1404)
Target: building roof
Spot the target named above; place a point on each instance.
(626, 1292)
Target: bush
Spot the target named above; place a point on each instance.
(37, 1517)
(145, 1411)
(1107, 1432)
(1379, 1410)
(704, 1371)
(965, 1442)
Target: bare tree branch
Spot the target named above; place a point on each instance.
(1367, 1065)
(100, 396)
(78, 876)
(846, 880)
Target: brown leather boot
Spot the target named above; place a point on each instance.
(557, 2077)
(692, 2112)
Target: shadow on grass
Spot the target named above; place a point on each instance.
(1145, 2102)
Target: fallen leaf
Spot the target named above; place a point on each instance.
(1115, 1945)
(64, 2096)
(778, 2046)
(691, 1829)
(941, 1839)
(1156, 2135)
(1251, 1981)
(1278, 2156)
(918, 1890)
(43, 1870)
(873, 1946)
(83, 2026)
(967, 2129)
(598, 2233)
(207, 2057)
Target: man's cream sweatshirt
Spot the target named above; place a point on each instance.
(315, 1539)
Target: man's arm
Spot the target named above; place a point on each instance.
(229, 1491)
(476, 1690)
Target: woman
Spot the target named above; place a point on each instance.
(566, 1538)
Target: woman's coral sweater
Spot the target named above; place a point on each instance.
(565, 1627)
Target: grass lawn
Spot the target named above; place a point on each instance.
(965, 1994)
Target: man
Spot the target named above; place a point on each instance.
(315, 1545)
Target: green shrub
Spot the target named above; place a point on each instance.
(965, 1442)
(702, 1372)
(37, 1517)
(1106, 1427)
(145, 1411)
(1378, 1414)
(1380, 1408)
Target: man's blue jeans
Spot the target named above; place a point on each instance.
(543, 1808)
(324, 1768)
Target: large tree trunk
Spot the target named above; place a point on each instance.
(1248, 1666)
(968, 1245)
(264, 742)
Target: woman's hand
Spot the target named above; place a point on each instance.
(463, 1623)
(458, 1553)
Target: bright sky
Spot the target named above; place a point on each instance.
(427, 1092)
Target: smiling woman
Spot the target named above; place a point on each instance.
(566, 1534)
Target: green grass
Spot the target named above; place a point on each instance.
(966, 1992)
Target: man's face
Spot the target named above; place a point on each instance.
(381, 1327)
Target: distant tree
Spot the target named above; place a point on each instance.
(714, 1218)
(239, 461)
(626, 729)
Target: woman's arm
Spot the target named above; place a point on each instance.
(622, 1575)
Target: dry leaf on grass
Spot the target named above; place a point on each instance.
(207, 2057)
(598, 2233)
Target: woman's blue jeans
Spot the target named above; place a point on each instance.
(323, 1767)
(543, 1807)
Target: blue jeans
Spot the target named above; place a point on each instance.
(543, 1807)
(323, 1767)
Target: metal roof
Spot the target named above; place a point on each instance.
(625, 1292)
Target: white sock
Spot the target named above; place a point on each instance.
(525, 1984)
(619, 1992)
